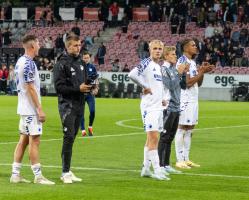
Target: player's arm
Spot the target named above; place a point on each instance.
(168, 82)
(200, 81)
(196, 79)
(183, 82)
(205, 68)
(29, 78)
(166, 97)
(183, 69)
(33, 94)
(137, 76)
(95, 88)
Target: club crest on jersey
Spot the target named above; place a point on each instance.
(194, 73)
(150, 126)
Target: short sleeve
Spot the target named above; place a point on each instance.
(29, 72)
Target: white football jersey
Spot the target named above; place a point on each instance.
(148, 73)
(26, 72)
(190, 94)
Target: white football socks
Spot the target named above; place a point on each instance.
(16, 168)
(179, 144)
(153, 156)
(187, 144)
(147, 161)
(36, 168)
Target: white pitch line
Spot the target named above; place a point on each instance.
(121, 123)
(132, 170)
(92, 137)
(217, 175)
(46, 140)
(220, 116)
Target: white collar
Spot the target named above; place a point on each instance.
(166, 64)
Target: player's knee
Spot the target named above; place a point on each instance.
(35, 140)
(23, 141)
(164, 137)
(69, 138)
(153, 142)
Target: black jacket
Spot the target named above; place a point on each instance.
(69, 74)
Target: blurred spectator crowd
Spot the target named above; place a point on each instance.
(220, 29)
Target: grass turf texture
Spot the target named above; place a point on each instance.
(220, 151)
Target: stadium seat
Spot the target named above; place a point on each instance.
(130, 90)
(101, 92)
(119, 92)
(111, 89)
(138, 92)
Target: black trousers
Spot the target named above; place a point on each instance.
(70, 124)
(171, 120)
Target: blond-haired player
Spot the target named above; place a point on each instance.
(173, 80)
(148, 75)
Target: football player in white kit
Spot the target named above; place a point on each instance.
(189, 104)
(31, 114)
(148, 75)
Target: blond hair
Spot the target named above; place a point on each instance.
(168, 49)
(155, 42)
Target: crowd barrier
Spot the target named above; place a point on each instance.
(118, 84)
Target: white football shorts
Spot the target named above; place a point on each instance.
(153, 120)
(189, 113)
(30, 125)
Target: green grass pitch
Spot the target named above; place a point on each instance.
(110, 162)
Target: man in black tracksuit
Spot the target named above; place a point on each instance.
(69, 78)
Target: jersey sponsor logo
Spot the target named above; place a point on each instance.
(158, 77)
